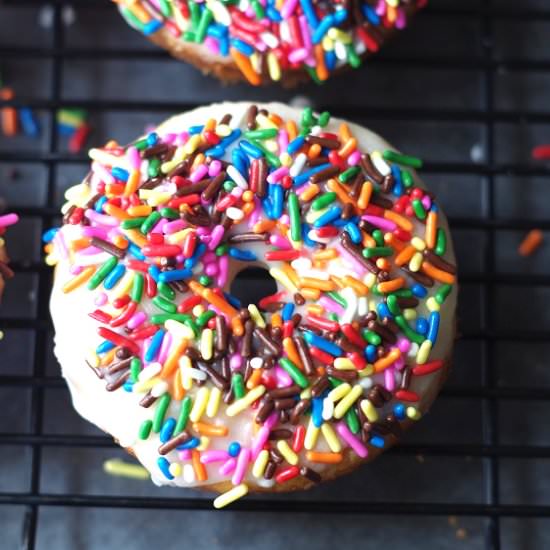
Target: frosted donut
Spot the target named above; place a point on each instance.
(5, 272)
(304, 385)
(265, 41)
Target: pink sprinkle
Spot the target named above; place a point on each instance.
(242, 463)
(216, 237)
(306, 37)
(89, 231)
(76, 270)
(170, 138)
(354, 159)
(203, 231)
(100, 299)
(211, 269)
(207, 457)
(199, 173)
(401, 20)
(235, 361)
(223, 266)
(283, 379)
(89, 251)
(212, 45)
(399, 364)
(403, 344)
(288, 8)
(272, 419)
(165, 347)
(185, 454)
(426, 202)
(254, 218)
(285, 220)
(359, 267)
(277, 175)
(101, 219)
(182, 138)
(102, 172)
(351, 440)
(282, 140)
(259, 441)
(381, 8)
(382, 223)
(295, 56)
(174, 227)
(331, 305)
(280, 242)
(237, 192)
(134, 160)
(214, 168)
(8, 219)
(137, 320)
(227, 467)
(389, 379)
(159, 227)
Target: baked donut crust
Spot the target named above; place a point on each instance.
(115, 412)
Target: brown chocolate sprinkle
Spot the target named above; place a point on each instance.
(176, 441)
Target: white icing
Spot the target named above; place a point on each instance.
(118, 412)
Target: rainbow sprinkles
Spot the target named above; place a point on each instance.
(267, 39)
(300, 387)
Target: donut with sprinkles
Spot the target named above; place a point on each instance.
(209, 391)
(263, 41)
(6, 220)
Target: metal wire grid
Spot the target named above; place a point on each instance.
(490, 450)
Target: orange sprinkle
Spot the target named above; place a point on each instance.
(254, 379)
(291, 129)
(347, 149)
(79, 244)
(383, 263)
(210, 125)
(324, 458)
(292, 352)
(531, 242)
(111, 144)
(79, 280)
(120, 241)
(247, 196)
(177, 389)
(344, 132)
(204, 428)
(401, 221)
(338, 281)
(316, 309)
(198, 466)
(368, 241)
(171, 363)
(9, 114)
(431, 229)
(197, 161)
(359, 288)
(309, 192)
(388, 360)
(237, 326)
(276, 119)
(391, 240)
(276, 320)
(133, 183)
(322, 72)
(314, 151)
(245, 67)
(109, 357)
(248, 208)
(310, 293)
(290, 273)
(140, 210)
(365, 195)
(310, 282)
(116, 212)
(405, 255)
(326, 254)
(341, 193)
(139, 11)
(437, 274)
(264, 226)
(114, 189)
(391, 286)
(136, 237)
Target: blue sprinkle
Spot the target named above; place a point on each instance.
(240, 160)
(194, 259)
(216, 31)
(49, 235)
(154, 346)
(295, 144)
(196, 129)
(398, 186)
(340, 16)
(152, 139)
(421, 326)
(104, 347)
(99, 204)
(419, 291)
(383, 310)
(242, 255)
(277, 197)
(322, 29)
(399, 411)
(434, 327)
(128, 386)
(242, 46)
(287, 311)
(330, 60)
(234, 135)
(65, 129)
(370, 352)
(317, 411)
(29, 122)
(135, 251)
(308, 242)
(233, 300)
(114, 277)
(154, 271)
(164, 467)
(273, 14)
(153, 26)
(120, 173)
(234, 448)
(193, 443)
(322, 344)
(250, 149)
(167, 430)
(216, 152)
(434, 207)
(304, 176)
(310, 14)
(371, 15)
(175, 275)
(329, 216)
(354, 232)
(377, 441)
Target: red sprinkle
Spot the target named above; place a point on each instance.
(323, 356)
(298, 438)
(427, 368)
(322, 323)
(282, 255)
(187, 199)
(357, 359)
(189, 244)
(266, 300)
(287, 474)
(352, 335)
(407, 395)
(144, 333)
(137, 265)
(118, 339)
(288, 329)
(161, 250)
(119, 303)
(189, 303)
(125, 316)
(150, 286)
(100, 316)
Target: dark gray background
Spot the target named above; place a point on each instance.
(427, 94)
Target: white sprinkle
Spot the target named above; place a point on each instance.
(237, 177)
(160, 388)
(234, 213)
(256, 362)
(298, 165)
(328, 409)
(149, 372)
(188, 474)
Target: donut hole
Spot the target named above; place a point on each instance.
(252, 284)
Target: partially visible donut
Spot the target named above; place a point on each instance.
(313, 380)
(5, 271)
(264, 41)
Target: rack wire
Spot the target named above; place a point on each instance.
(489, 394)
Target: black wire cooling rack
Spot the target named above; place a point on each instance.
(488, 278)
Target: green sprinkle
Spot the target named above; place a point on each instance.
(205, 280)
(334, 382)
(391, 302)
(192, 325)
(377, 251)
(166, 290)
(189, 36)
(409, 332)
(337, 298)
(237, 383)
(102, 272)
(164, 304)
(266, 133)
(185, 410)
(150, 222)
(407, 178)
(322, 201)
(419, 210)
(133, 223)
(204, 317)
(165, 8)
(352, 420)
(353, 59)
(307, 117)
(441, 242)
(378, 236)
(313, 75)
(195, 13)
(161, 318)
(205, 20)
(404, 160)
(145, 429)
(442, 293)
(324, 119)
(258, 9)
(141, 144)
(333, 316)
(135, 368)
(222, 249)
(153, 168)
(294, 372)
(160, 411)
(271, 158)
(137, 287)
(372, 338)
(349, 174)
(169, 213)
(295, 218)
(402, 293)
(228, 185)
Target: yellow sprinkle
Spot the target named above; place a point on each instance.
(256, 315)
(339, 392)
(348, 400)
(273, 67)
(286, 160)
(204, 442)
(424, 352)
(306, 394)
(230, 496)
(185, 368)
(190, 147)
(117, 467)
(288, 454)
(260, 463)
(283, 278)
(339, 35)
(413, 413)
(178, 237)
(418, 243)
(198, 309)
(312, 215)
(265, 122)
(343, 363)
(175, 469)
(213, 402)
(246, 401)
(223, 130)
(327, 43)
(369, 410)
(331, 438)
(416, 262)
(207, 340)
(145, 386)
(410, 314)
(92, 358)
(179, 330)
(432, 304)
(312, 433)
(103, 157)
(367, 371)
(199, 405)
(370, 279)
